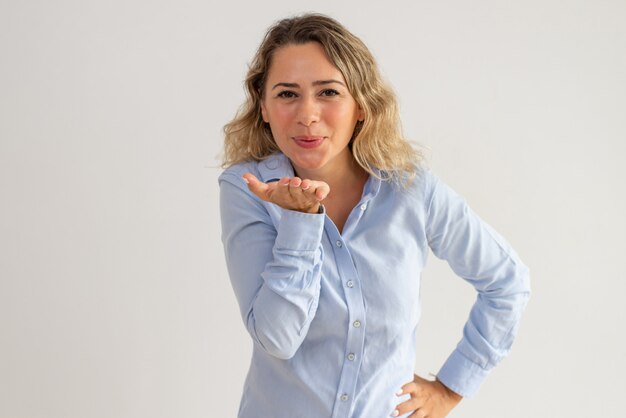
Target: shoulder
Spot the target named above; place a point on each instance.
(419, 184)
(274, 166)
(234, 173)
(235, 196)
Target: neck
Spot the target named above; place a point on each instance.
(341, 175)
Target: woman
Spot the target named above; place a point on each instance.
(327, 218)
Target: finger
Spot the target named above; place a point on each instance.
(409, 405)
(317, 190)
(309, 188)
(306, 183)
(295, 182)
(413, 403)
(416, 386)
(284, 181)
(256, 186)
(321, 190)
(418, 414)
(409, 388)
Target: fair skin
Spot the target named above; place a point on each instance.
(429, 399)
(312, 116)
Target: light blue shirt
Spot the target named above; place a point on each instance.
(333, 316)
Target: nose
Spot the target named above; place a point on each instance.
(308, 111)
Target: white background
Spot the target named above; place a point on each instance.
(114, 299)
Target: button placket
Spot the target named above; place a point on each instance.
(349, 277)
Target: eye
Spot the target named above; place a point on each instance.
(286, 94)
(329, 92)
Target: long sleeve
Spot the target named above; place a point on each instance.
(275, 271)
(479, 255)
(325, 299)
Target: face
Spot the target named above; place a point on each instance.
(310, 111)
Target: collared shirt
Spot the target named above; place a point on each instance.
(333, 316)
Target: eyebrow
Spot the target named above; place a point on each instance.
(315, 83)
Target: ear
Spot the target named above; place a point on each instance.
(264, 112)
(361, 116)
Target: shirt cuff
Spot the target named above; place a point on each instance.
(462, 375)
(299, 231)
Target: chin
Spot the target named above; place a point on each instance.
(309, 163)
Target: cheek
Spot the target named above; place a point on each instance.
(279, 116)
(342, 117)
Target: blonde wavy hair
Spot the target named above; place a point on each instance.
(377, 142)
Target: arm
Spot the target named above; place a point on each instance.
(275, 272)
(483, 258)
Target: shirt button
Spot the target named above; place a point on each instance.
(356, 323)
(351, 356)
(350, 283)
(339, 243)
(344, 397)
(363, 206)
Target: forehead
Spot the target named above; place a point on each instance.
(302, 63)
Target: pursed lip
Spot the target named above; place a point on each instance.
(308, 142)
(307, 138)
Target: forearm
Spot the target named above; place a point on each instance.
(279, 322)
(483, 258)
(286, 304)
(275, 270)
(488, 333)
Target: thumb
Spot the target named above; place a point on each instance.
(256, 186)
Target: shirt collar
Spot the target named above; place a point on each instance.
(275, 167)
(372, 186)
